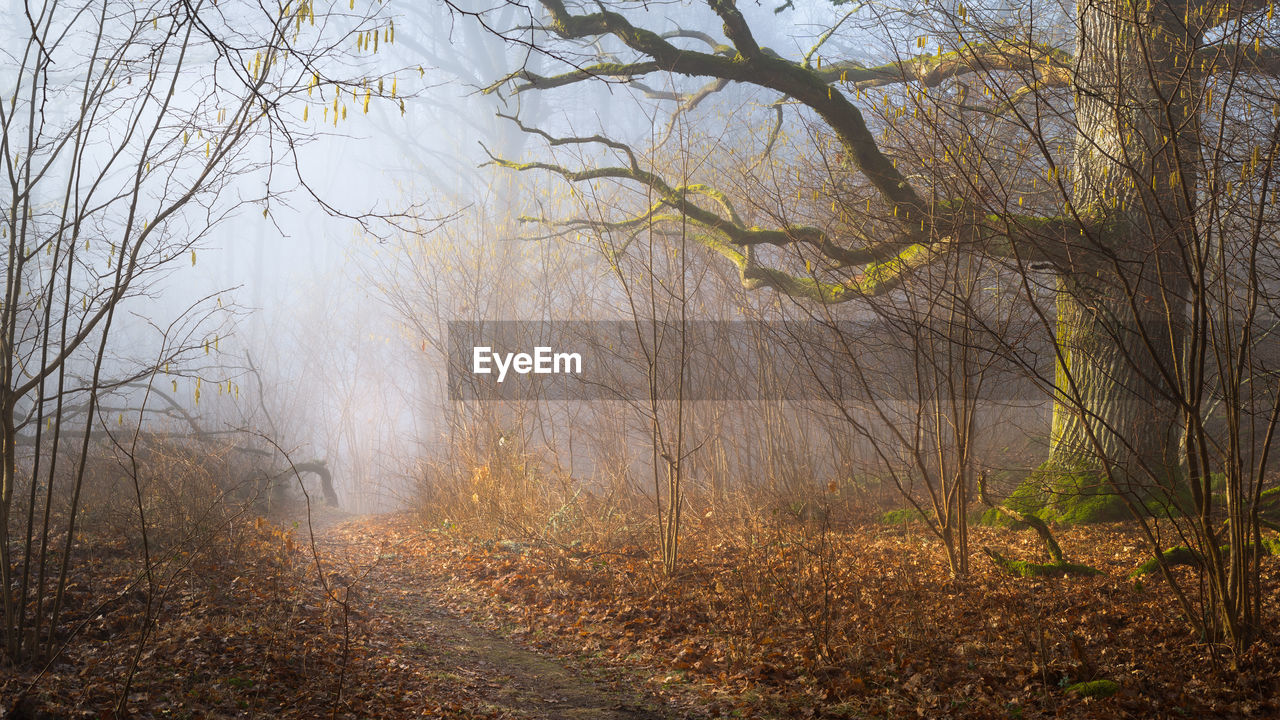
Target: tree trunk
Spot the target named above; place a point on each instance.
(1113, 415)
(1122, 304)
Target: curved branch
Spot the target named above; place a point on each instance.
(533, 81)
(1052, 67)
(1231, 57)
(679, 198)
(758, 67)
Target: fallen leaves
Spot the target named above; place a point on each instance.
(861, 622)
(774, 621)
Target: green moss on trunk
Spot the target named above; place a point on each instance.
(1081, 496)
(1181, 555)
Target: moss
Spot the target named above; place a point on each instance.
(1027, 498)
(1059, 569)
(1182, 555)
(1079, 496)
(1021, 568)
(990, 518)
(1174, 556)
(1067, 496)
(1269, 504)
(901, 516)
(1094, 688)
(1085, 509)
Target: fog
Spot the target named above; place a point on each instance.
(322, 287)
(461, 358)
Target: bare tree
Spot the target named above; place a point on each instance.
(125, 126)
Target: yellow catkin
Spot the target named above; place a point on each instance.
(304, 113)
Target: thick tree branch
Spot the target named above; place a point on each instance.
(736, 28)
(755, 66)
(1248, 58)
(1216, 13)
(731, 227)
(1052, 67)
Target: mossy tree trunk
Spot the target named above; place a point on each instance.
(1123, 301)
(1113, 416)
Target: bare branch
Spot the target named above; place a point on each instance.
(765, 70)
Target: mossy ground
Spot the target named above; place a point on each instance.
(901, 516)
(1082, 496)
(1094, 688)
(1182, 555)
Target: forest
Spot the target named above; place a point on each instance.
(636, 360)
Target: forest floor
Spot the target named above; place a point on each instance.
(385, 617)
(466, 669)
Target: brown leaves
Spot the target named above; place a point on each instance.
(860, 621)
(788, 621)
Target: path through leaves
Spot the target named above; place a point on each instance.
(417, 640)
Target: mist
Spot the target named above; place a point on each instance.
(702, 358)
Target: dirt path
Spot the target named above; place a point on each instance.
(408, 622)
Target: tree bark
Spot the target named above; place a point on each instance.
(1122, 303)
